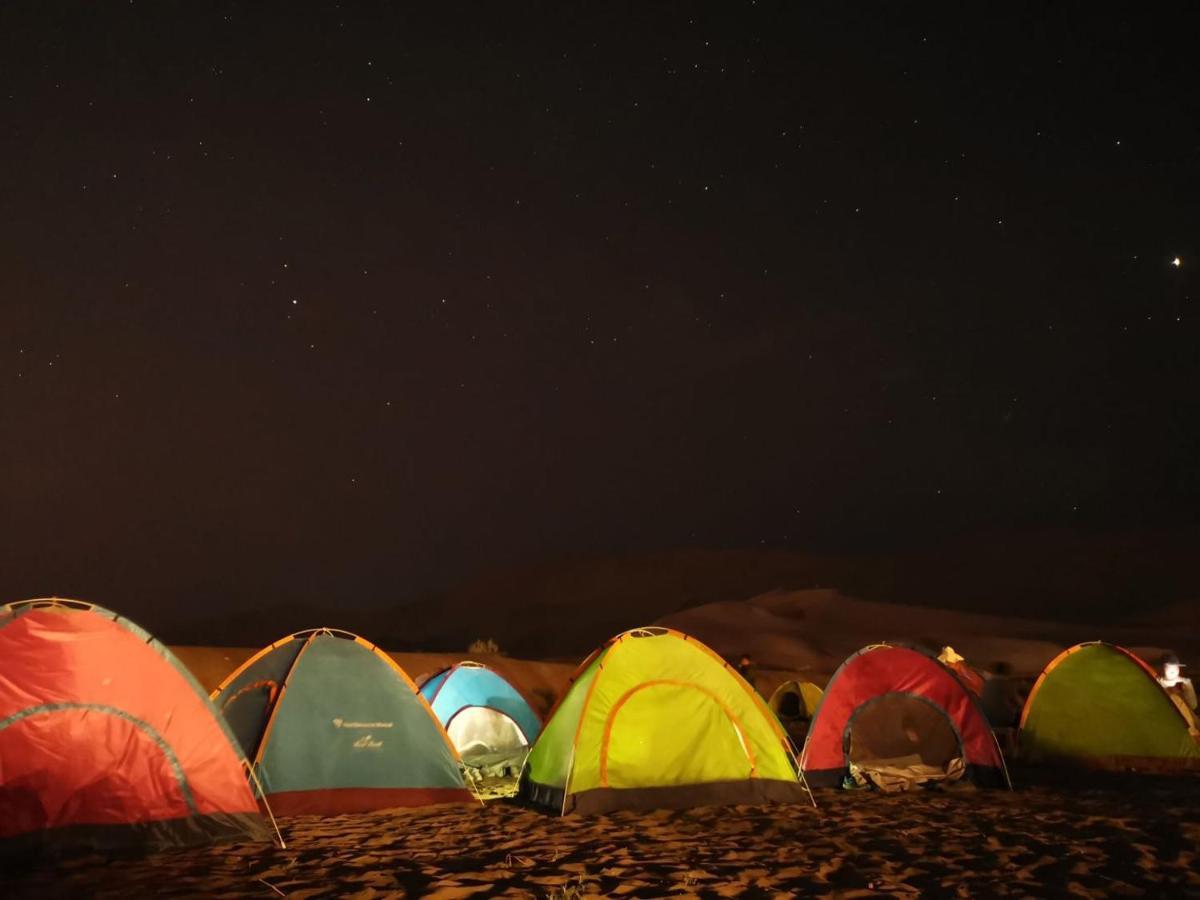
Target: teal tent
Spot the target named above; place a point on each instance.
(332, 725)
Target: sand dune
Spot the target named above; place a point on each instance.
(811, 632)
(569, 606)
(563, 609)
(804, 634)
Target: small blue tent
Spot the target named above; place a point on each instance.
(481, 711)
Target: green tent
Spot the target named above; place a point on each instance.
(1100, 706)
(333, 725)
(656, 719)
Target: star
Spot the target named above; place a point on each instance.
(1177, 262)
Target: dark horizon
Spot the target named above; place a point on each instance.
(1099, 582)
(348, 308)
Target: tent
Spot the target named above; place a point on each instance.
(1100, 706)
(895, 716)
(794, 703)
(967, 674)
(654, 718)
(795, 700)
(485, 716)
(107, 741)
(333, 725)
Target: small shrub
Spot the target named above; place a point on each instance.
(484, 645)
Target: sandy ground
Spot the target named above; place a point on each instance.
(1131, 836)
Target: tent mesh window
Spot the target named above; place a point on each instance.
(897, 726)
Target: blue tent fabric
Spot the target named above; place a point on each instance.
(470, 684)
(431, 684)
(247, 698)
(333, 725)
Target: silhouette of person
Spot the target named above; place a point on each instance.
(745, 668)
(1173, 681)
(1001, 698)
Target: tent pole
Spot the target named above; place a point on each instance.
(567, 781)
(807, 789)
(262, 796)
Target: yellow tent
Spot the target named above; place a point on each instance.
(656, 719)
(795, 700)
(1100, 706)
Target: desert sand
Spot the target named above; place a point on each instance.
(1129, 836)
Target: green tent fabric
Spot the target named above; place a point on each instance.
(333, 725)
(1100, 706)
(656, 719)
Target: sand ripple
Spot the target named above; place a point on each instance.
(1129, 837)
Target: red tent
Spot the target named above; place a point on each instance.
(970, 678)
(107, 740)
(896, 703)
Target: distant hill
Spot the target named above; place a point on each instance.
(812, 632)
(1185, 614)
(567, 607)
(562, 609)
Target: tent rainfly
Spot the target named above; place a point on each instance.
(1099, 706)
(107, 741)
(654, 718)
(333, 725)
(895, 716)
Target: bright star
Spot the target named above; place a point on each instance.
(1176, 262)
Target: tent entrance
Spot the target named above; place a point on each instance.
(248, 710)
(790, 705)
(492, 749)
(906, 738)
(479, 732)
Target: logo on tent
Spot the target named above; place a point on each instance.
(342, 723)
(366, 743)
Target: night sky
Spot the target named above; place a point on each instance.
(338, 304)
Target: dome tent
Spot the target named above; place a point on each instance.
(481, 711)
(654, 718)
(794, 704)
(1100, 706)
(333, 725)
(795, 700)
(107, 741)
(898, 716)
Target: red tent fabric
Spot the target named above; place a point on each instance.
(886, 670)
(970, 678)
(107, 740)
